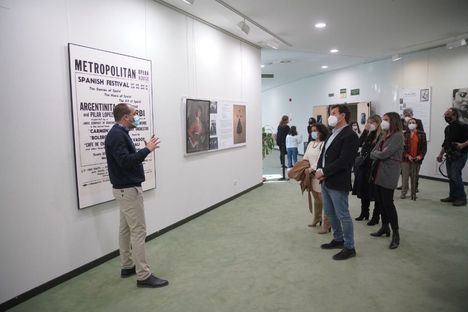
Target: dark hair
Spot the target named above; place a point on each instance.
(322, 130)
(395, 122)
(284, 120)
(343, 109)
(293, 131)
(414, 119)
(312, 121)
(455, 111)
(121, 110)
(355, 123)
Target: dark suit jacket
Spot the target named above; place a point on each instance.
(339, 160)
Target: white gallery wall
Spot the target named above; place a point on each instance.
(43, 234)
(379, 82)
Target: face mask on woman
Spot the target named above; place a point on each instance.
(412, 126)
(372, 127)
(385, 125)
(314, 135)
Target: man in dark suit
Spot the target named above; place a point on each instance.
(334, 172)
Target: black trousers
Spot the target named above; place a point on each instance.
(384, 198)
(283, 153)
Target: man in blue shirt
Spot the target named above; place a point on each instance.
(126, 174)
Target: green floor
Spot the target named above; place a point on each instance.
(257, 254)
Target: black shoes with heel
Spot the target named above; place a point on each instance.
(395, 240)
(383, 230)
(363, 216)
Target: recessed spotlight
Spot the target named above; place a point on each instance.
(262, 66)
(320, 25)
(324, 66)
(334, 51)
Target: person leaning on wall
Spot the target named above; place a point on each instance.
(125, 165)
(455, 149)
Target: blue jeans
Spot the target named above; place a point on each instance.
(292, 156)
(335, 204)
(454, 172)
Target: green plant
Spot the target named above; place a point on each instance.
(268, 141)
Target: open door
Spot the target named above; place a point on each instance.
(320, 113)
(363, 111)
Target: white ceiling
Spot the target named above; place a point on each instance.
(363, 30)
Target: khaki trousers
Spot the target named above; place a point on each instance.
(409, 170)
(132, 231)
(317, 208)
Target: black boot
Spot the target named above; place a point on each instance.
(364, 214)
(374, 220)
(383, 230)
(375, 216)
(395, 240)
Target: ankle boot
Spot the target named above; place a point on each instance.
(373, 221)
(395, 240)
(383, 230)
(326, 226)
(364, 214)
(317, 213)
(375, 217)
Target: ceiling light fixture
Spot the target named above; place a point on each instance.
(252, 22)
(244, 27)
(320, 25)
(324, 66)
(334, 51)
(262, 66)
(396, 57)
(189, 1)
(456, 44)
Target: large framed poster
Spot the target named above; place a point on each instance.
(214, 125)
(100, 80)
(419, 99)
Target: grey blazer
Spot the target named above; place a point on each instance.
(388, 170)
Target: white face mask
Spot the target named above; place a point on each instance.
(332, 121)
(385, 125)
(372, 127)
(412, 126)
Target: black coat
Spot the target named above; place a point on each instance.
(339, 159)
(362, 187)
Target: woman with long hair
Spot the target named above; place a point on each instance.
(415, 150)
(319, 134)
(363, 187)
(281, 133)
(386, 168)
(292, 142)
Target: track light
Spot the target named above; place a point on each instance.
(244, 27)
(456, 44)
(396, 57)
(189, 1)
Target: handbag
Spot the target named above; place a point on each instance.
(374, 168)
(359, 161)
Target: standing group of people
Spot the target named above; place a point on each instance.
(388, 147)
